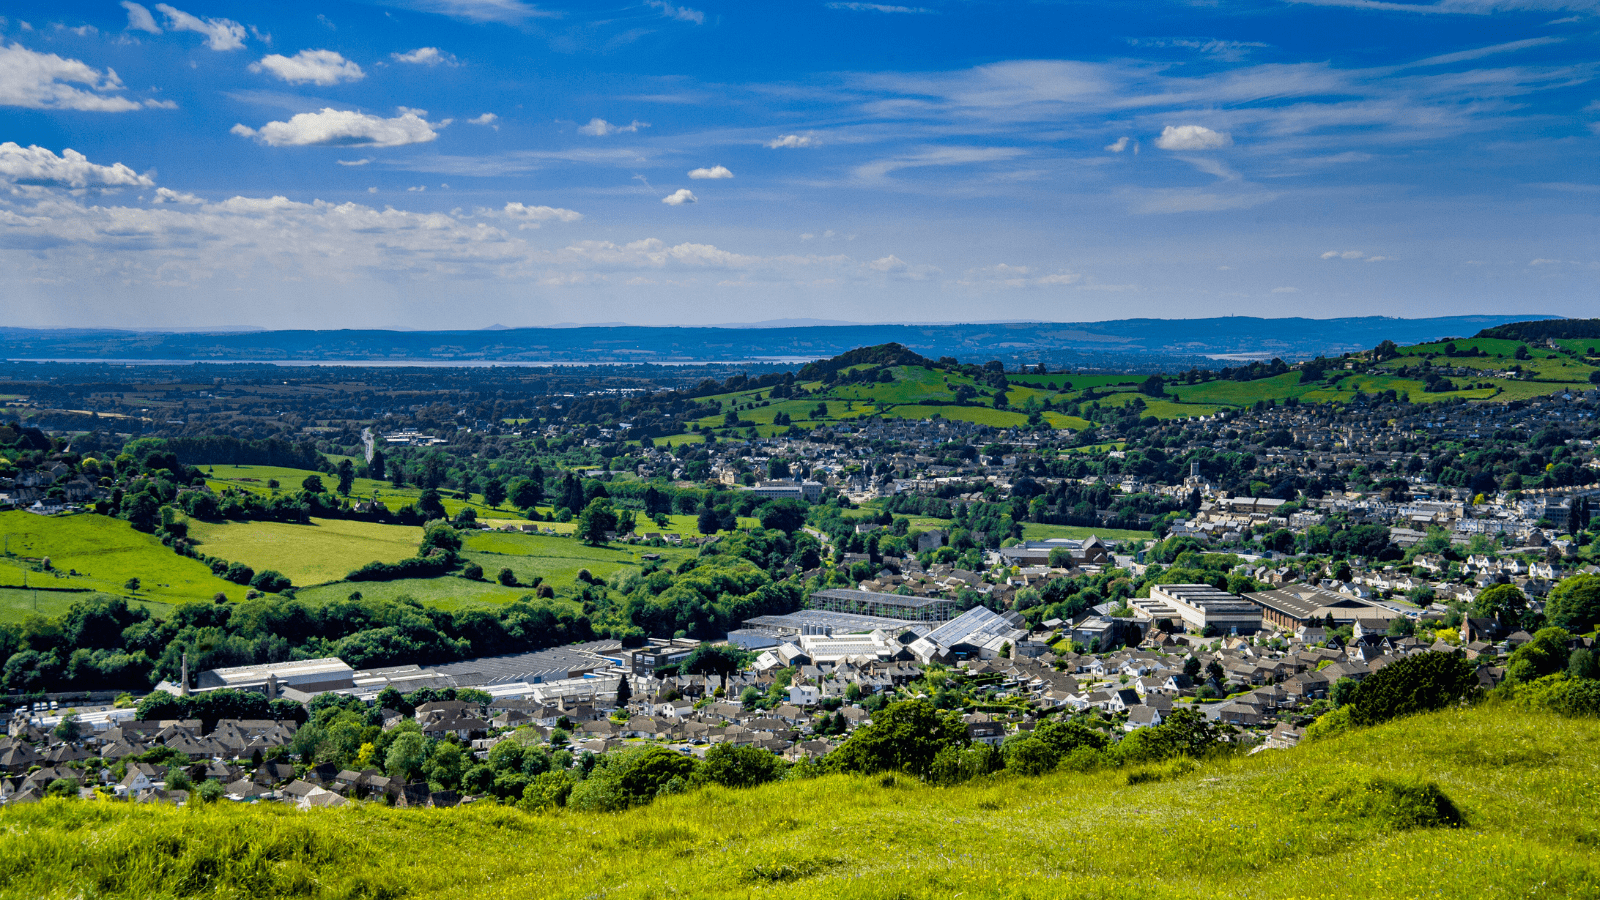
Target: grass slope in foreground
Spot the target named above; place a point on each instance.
(1269, 826)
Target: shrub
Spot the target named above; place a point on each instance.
(1331, 723)
(1420, 683)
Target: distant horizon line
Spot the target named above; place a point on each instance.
(764, 324)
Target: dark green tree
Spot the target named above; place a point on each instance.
(904, 737)
(1422, 682)
(596, 520)
(1574, 603)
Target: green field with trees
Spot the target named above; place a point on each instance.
(97, 553)
(323, 550)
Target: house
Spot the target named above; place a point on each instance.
(982, 729)
(1142, 717)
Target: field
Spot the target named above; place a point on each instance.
(1268, 826)
(555, 559)
(447, 592)
(325, 550)
(256, 478)
(104, 553)
(1033, 531)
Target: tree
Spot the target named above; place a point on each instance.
(1343, 691)
(597, 520)
(430, 506)
(312, 484)
(787, 516)
(67, 729)
(1419, 683)
(494, 493)
(1503, 602)
(904, 737)
(714, 659)
(439, 535)
(1153, 386)
(406, 755)
(735, 766)
(708, 520)
(526, 493)
(376, 465)
(347, 476)
(507, 577)
(1191, 668)
(1574, 604)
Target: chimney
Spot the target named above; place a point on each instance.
(183, 687)
(272, 685)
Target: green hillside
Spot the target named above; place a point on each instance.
(1358, 816)
(94, 553)
(1496, 370)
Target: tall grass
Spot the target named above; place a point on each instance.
(1341, 818)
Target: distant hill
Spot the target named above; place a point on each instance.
(1545, 329)
(1119, 345)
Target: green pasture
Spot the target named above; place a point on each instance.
(325, 550)
(1034, 531)
(105, 553)
(447, 592)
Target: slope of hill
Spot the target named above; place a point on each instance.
(1351, 817)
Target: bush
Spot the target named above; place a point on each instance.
(270, 581)
(1331, 723)
(1413, 684)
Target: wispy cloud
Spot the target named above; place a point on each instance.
(879, 8)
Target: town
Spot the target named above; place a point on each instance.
(1236, 574)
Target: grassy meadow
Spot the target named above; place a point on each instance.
(1334, 819)
(104, 553)
(325, 550)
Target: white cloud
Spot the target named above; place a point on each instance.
(220, 34)
(321, 67)
(1545, 262)
(344, 128)
(681, 13)
(425, 56)
(878, 7)
(1354, 254)
(508, 12)
(1004, 275)
(45, 81)
(139, 18)
(895, 266)
(532, 216)
(1457, 7)
(601, 128)
(167, 195)
(1286, 290)
(878, 170)
(485, 119)
(793, 140)
(1192, 137)
(40, 166)
(354, 162)
(713, 172)
(1118, 145)
(679, 197)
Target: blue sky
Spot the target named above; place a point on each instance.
(462, 163)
